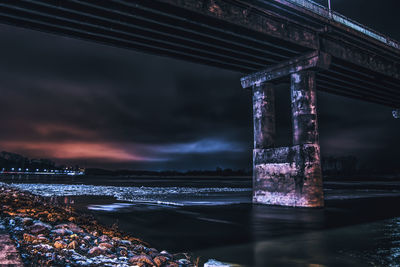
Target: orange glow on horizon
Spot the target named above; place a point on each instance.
(74, 150)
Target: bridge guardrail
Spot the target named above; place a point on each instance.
(337, 17)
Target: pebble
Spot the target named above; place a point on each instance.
(62, 231)
(142, 258)
(105, 246)
(60, 244)
(95, 251)
(73, 245)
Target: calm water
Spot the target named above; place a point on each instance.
(360, 225)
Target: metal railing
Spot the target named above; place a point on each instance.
(325, 12)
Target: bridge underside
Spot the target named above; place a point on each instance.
(229, 34)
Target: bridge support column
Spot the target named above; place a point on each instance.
(287, 176)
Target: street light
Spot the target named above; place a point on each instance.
(329, 9)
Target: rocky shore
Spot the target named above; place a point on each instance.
(50, 234)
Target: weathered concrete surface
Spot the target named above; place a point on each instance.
(251, 18)
(304, 108)
(313, 60)
(288, 176)
(9, 255)
(264, 115)
(361, 57)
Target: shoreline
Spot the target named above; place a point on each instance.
(46, 233)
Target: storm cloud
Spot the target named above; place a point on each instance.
(95, 105)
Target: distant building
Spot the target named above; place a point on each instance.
(15, 163)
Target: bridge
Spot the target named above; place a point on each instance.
(269, 41)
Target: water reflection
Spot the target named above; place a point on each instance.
(324, 237)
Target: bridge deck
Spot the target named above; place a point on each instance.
(230, 34)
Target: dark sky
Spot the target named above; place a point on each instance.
(81, 102)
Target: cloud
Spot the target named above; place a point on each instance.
(80, 150)
(202, 146)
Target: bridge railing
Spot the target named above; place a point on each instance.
(337, 17)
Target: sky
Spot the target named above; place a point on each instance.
(79, 102)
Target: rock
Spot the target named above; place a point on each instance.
(95, 233)
(70, 226)
(74, 236)
(60, 244)
(141, 258)
(62, 231)
(88, 238)
(29, 238)
(166, 254)
(95, 251)
(105, 246)
(73, 245)
(152, 252)
(83, 248)
(160, 260)
(42, 239)
(104, 238)
(184, 262)
(172, 264)
(214, 263)
(43, 248)
(18, 229)
(39, 228)
(126, 242)
(27, 221)
(123, 252)
(72, 219)
(22, 210)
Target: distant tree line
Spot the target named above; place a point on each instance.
(345, 165)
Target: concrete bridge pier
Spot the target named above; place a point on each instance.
(287, 176)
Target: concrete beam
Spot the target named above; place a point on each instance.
(361, 57)
(252, 18)
(315, 60)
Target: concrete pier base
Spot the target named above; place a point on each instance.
(287, 176)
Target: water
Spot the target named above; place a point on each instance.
(214, 218)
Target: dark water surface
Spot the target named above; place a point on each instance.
(214, 218)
